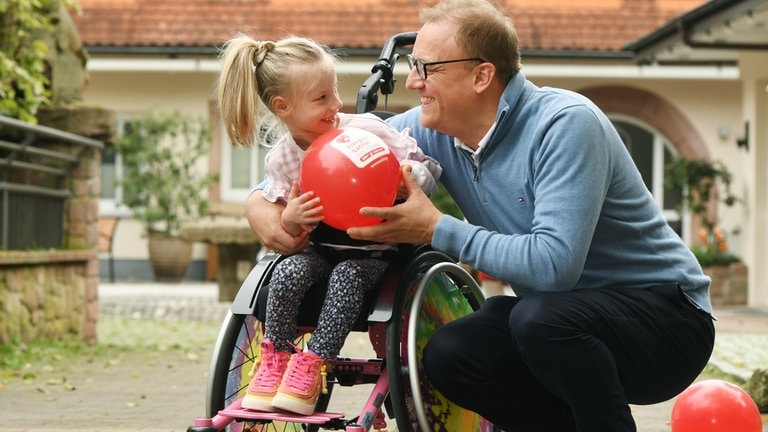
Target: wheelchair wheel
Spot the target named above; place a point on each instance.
(233, 357)
(436, 291)
(232, 360)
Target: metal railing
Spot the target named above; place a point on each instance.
(35, 163)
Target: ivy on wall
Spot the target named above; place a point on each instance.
(24, 74)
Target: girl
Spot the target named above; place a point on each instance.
(285, 93)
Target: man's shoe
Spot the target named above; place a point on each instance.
(302, 383)
(270, 367)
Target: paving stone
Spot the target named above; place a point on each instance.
(741, 345)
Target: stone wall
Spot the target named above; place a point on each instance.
(48, 295)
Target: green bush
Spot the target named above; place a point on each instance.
(162, 184)
(443, 201)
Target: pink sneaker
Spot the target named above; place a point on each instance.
(263, 387)
(302, 383)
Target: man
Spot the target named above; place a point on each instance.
(611, 306)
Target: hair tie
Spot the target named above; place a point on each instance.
(262, 49)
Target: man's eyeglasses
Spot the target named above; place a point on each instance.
(421, 67)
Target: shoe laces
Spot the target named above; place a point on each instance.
(272, 372)
(304, 371)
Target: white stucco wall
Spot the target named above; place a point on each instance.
(713, 100)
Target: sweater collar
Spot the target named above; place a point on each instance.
(512, 100)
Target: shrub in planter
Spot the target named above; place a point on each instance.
(163, 185)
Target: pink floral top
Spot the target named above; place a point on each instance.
(283, 161)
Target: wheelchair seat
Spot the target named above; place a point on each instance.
(309, 309)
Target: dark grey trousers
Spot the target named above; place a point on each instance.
(571, 361)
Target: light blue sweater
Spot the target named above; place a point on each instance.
(555, 201)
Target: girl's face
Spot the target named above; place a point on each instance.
(312, 110)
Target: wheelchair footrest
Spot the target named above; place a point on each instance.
(315, 418)
(237, 412)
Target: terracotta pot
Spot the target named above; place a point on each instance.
(170, 257)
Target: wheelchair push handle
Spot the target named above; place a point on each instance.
(399, 40)
(382, 77)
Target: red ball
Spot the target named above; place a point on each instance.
(715, 406)
(349, 169)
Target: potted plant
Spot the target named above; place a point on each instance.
(163, 185)
(698, 180)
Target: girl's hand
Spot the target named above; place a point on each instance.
(302, 212)
(264, 218)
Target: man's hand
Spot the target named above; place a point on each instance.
(412, 221)
(264, 219)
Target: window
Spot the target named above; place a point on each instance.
(651, 152)
(111, 173)
(242, 168)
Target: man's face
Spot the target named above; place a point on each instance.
(445, 95)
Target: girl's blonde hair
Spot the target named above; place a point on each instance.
(254, 73)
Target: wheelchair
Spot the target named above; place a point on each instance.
(421, 290)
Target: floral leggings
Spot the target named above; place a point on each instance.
(348, 281)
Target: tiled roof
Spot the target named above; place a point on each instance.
(579, 25)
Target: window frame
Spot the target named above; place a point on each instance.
(110, 206)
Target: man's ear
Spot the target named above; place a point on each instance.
(484, 74)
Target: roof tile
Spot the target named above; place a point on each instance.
(594, 25)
